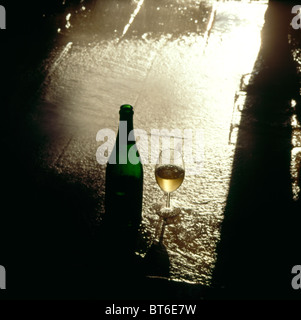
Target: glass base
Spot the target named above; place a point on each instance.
(165, 212)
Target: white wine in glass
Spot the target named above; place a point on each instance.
(169, 173)
(169, 177)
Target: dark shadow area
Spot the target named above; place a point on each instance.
(46, 236)
(260, 233)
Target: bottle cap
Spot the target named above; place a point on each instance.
(126, 108)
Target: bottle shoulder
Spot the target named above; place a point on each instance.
(128, 169)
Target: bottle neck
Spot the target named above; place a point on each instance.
(125, 130)
(125, 141)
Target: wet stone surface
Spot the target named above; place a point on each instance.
(176, 77)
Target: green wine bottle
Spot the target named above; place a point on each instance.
(124, 183)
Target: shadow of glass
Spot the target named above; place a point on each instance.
(156, 261)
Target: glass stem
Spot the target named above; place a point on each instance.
(168, 200)
(162, 231)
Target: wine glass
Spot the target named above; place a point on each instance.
(169, 173)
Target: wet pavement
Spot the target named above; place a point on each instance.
(182, 65)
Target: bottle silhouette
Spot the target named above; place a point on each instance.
(124, 186)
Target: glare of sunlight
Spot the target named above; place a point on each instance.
(243, 46)
(133, 15)
(295, 154)
(68, 25)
